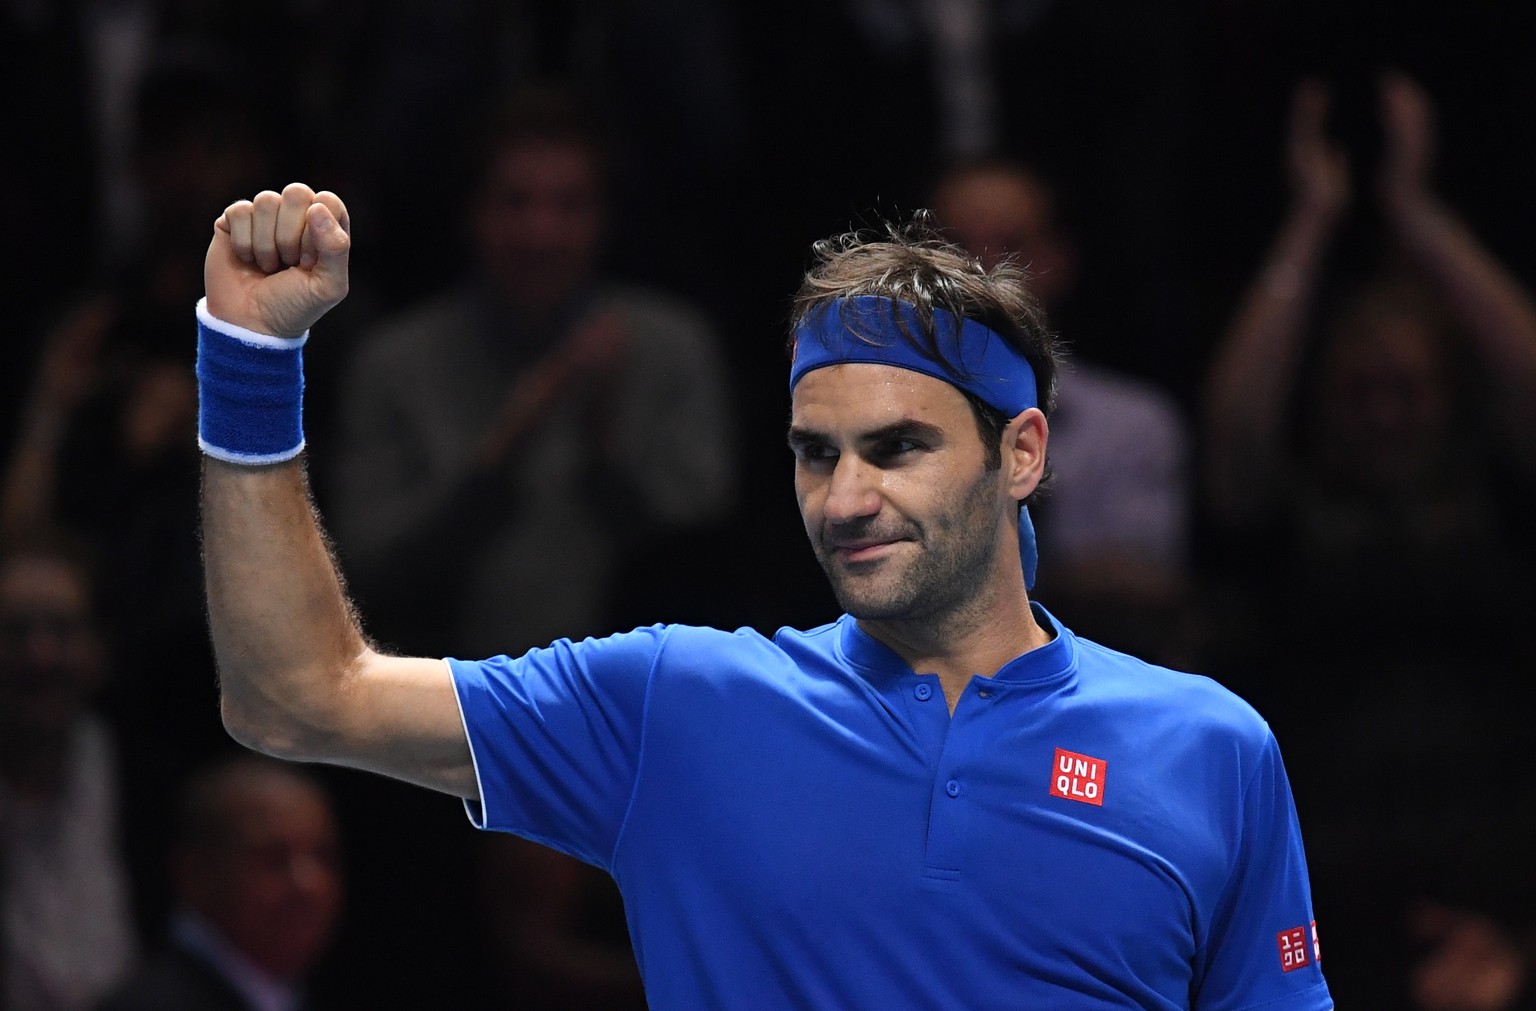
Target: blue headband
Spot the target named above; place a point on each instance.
(865, 329)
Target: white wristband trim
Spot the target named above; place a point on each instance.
(248, 459)
(240, 333)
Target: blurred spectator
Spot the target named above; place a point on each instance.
(1098, 93)
(1473, 963)
(509, 440)
(106, 440)
(66, 933)
(106, 443)
(50, 152)
(258, 886)
(1380, 484)
(130, 50)
(514, 443)
(1113, 527)
(103, 91)
(406, 78)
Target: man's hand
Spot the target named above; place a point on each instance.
(582, 366)
(1473, 964)
(71, 360)
(278, 262)
(1319, 170)
(1408, 122)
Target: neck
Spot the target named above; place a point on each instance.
(958, 647)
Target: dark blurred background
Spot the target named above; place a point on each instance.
(740, 133)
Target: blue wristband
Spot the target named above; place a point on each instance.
(250, 392)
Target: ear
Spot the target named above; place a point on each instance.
(1024, 442)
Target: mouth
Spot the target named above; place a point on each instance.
(862, 550)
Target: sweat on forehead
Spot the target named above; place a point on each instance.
(877, 330)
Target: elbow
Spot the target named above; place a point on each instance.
(292, 727)
(246, 734)
(263, 735)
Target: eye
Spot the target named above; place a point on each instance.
(895, 447)
(811, 451)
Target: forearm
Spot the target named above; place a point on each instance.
(298, 679)
(1496, 311)
(1255, 368)
(31, 475)
(284, 635)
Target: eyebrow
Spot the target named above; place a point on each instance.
(906, 428)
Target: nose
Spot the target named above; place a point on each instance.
(853, 493)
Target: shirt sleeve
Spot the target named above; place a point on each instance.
(556, 735)
(1261, 949)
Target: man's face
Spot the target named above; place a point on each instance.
(50, 657)
(995, 213)
(274, 888)
(538, 223)
(900, 507)
(1385, 412)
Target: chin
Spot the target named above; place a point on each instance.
(873, 606)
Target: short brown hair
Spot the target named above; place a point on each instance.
(913, 263)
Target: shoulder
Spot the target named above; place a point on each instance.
(638, 652)
(1170, 704)
(655, 314)
(665, 673)
(702, 654)
(715, 653)
(1087, 388)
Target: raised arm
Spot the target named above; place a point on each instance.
(1257, 359)
(66, 372)
(298, 678)
(1495, 312)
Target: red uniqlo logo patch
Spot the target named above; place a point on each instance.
(1317, 948)
(1293, 948)
(1078, 777)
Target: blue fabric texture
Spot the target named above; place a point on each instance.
(800, 822)
(869, 329)
(250, 393)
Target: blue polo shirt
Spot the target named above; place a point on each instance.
(800, 823)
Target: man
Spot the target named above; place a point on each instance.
(942, 800)
(1371, 420)
(257, 878)
(517, 437)
(66, 926)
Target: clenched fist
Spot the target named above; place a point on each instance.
(278, 262)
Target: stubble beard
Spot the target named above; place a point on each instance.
(953, 552)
